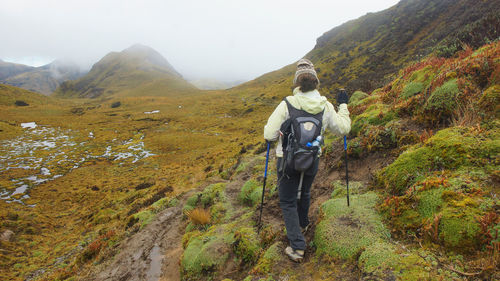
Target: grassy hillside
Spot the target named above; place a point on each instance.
(136, 71)
(363, 54)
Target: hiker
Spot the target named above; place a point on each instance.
(307, 101)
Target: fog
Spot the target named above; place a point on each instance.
(222, 39)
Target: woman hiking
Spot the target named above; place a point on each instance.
(295, 180)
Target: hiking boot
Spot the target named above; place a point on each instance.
(294, 255)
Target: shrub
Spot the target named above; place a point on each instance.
(116, 104)
(199, 216)
(21, 103)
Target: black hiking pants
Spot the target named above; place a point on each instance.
(295, 212)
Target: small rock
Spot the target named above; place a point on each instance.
(6, 235)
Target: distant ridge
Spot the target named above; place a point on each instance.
(8, 69)
(44, 79)
(136, 71)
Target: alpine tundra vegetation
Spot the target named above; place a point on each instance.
(132, 167)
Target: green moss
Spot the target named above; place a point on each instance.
(218, 211)
(246, 245)
(424, 75)
(412, 267)
(172, 203)
(378, 258)
(340, 189)
(191, 202)
(458, 228)
(250, 193)
(356, 98)
(344, 232)
(211, 193)
(411, 89)
(160, 204)
(429, 202)
(376, 115)
(443, 98)
(449, 149)
(204, 255)
(193, 199)
(144, 217)
(272, 256)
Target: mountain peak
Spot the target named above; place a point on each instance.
(148, 55)
(125, 73)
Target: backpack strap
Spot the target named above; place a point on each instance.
(294, 112)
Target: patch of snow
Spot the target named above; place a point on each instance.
(30, 125)
(152, 112)
(20, 190)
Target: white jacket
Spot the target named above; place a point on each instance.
(312, 102)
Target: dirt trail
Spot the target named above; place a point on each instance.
(149, 254)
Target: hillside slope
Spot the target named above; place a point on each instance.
(8, 69)
(362, 54)
(45, 79)
(136, 71)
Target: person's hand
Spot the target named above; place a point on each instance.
(342, 97)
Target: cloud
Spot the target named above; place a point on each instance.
(223, 39)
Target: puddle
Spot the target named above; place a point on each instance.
(47, 151)
(156, 260)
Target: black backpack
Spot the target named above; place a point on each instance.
(299, 132)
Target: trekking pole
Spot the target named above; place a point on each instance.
(346, 170)
(263, 188)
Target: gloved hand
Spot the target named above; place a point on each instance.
(342, 97)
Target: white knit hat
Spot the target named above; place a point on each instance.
(304, 66)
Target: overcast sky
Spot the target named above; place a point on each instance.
(222, 39)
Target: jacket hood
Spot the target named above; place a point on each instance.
(311, 101)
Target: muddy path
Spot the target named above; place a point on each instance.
(152, 253)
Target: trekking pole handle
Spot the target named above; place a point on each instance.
(345, 142)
